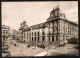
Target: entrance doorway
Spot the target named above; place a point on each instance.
(43, 38)
(52, 38)
(38, 38)
(49, 38)
(35, 38)
(32, 39)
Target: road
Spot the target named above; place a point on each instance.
(23, 50)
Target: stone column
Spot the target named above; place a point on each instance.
(40, 38)
(46, 38)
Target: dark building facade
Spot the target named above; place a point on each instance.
(56, 29)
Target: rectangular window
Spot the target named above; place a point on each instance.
(42, 38)
(38, 38)
(43, 33)
(35, 33)
(49, 38)
(6, 32)
(32, 38)
(52, 38)
(56, 38)
(35, 38)
(38, 33)
(68, 29)
(49, 32)
(3, 31)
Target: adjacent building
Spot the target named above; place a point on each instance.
(5, 33)
(23, 26)
(56, 29)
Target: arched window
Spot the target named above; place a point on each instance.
(32, 38)
(35, 38)
(38, 38)
(52, 38)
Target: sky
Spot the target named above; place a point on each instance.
(14, 13)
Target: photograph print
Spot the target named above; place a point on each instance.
(39, 28)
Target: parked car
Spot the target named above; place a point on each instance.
(61, 44)
(76, 47)
(28, 45)
(41, 45)
(6, 54)
(5, 47)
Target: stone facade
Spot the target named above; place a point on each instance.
(23, 26)
(56, 29)
(5, 33)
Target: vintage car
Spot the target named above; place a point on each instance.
(6, 53)
(5, 47)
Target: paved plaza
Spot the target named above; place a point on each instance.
(22, 50)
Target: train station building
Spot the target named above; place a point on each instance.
(57, 28)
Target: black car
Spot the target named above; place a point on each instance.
(28, 45)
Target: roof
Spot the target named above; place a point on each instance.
(64, 19)
(5, 27)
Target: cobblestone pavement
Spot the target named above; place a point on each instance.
(23, 50)
(65, 49)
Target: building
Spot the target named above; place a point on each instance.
(56, 29)
(23, 26)
(5, 33)
(14, 34)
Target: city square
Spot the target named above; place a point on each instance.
(23, 36)
(21, 49)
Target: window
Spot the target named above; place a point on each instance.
(38, 33)
(3, 31)
(43, 33)
(35, 38)
(35, 33)
(32, 38)
(6, 31)
(38, 38)
(68, 29)
(43, 39)
(49, 38)
(56, 38)
(52, 38)
(32, 33)
(49, 32)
